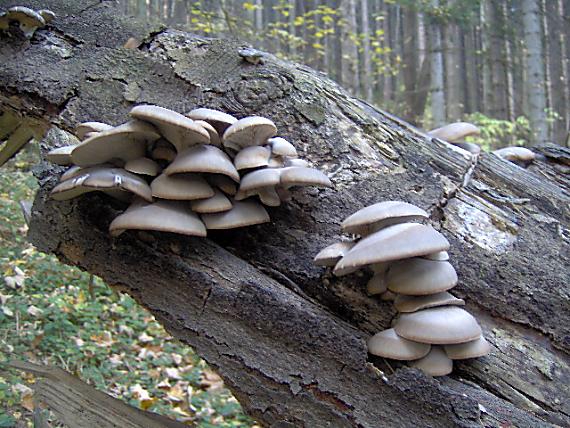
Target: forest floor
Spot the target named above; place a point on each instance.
(51, 314)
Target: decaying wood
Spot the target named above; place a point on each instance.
(79, 405)
(287, 337)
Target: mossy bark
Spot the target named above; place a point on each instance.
(287, 337)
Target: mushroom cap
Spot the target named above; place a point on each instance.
(164, 153)
(215, 139)
(223, 182)
(28, 19)
(259, 179)
(454, 132)
(86, 127)
(60, 155)
(302, 176)
(382, 214)
(164, 216)
(392, 243)
(329, 256)
(268, 196)
(181, 187)
(101, 178)
(218, 119)
(419, 276)
(203, 158)
(376, 285)
(441, 256)
(416, 303)
(215, 204)
(252, 157)
(242, 214)
(47, 15)
(175, 127)
(436, 363)
(388, 344)
(143, 166)
(515, 154)
(281, 147)
(445, 325)
(72, 171)
(295, 162)
(126, 142)
(476, 348)
(249, 131)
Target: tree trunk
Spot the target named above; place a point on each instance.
(367, 78)
(437, 73)
(535, 80)
(287, 337)
(350, 78)
(454, 73)
(411, 61)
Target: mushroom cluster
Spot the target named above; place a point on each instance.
(28, 20)
(184, 173)
(410, 266)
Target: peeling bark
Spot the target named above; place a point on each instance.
(286, 336)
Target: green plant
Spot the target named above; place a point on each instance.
(497, 133)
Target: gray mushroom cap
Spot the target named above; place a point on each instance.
(103, 179)
(175, 127)
(87, 127)
(474, 349)
(223, 182)
(143, 166)
(203, 158)
(388, 344)
(375, 217)
(252, 157)
(181, 187)
(281, 147)
(441, 256)
(215, 204)
(521, 154)
(125, 142)
(259, 179)
(455, 132)
(249, 131)
(218, 119)
(329, 256)
(416, 303)
(302, 176)
(244, 213)
(29, 20)
(60, 155)
(445, 325)
(164, 216)
(419, 276)
(392, 243)
(47, 15)
(215, 139)
(436, 363)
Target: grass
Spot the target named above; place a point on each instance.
(49, 314)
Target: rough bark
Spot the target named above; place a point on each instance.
(286, 336)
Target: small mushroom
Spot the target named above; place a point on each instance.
(436, 363)
(215, 204)
(215, 139)
(256, 180)
(163, 153)
(60, 155)
(251, 157)
(28, 20)
(375, 217)
(416, 303)
(243, 213)
(296, 162)
(454, 132)
(281, 147)
(47, 15)
(249, 131)
(164, 216)
(88, 127)
(418, 276)
(124, 142)
(104, 179)
(329, 256)
(300, 176)
(218, 119)
(392, 243)
(388, 344)
(143, 166)
(476, 348)
(203, 158)
(181, 187)
(376, 285)
(445, 325)
(516, 154)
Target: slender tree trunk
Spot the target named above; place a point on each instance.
(367, 78)
(437, 82)
(453, 72)
(558, 79)
(535, 67)
(471, 79)
(350, 76)
(411, 61)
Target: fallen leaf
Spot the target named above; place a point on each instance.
(172, 373)
(34, 311)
